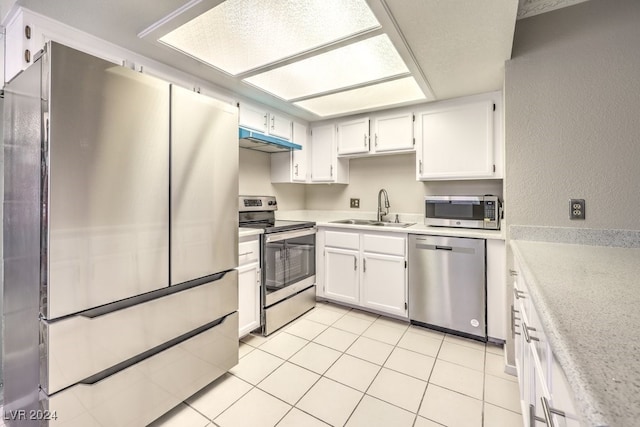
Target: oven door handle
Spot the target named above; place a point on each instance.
(284, 235)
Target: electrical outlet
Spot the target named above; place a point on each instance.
(577, 209)
(355, 203)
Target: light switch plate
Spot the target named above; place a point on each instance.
(355, 203)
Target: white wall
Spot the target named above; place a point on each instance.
(572, 102)
(397, 175)
(255, 179)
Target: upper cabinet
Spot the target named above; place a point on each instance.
(393, 133)
(266, 122)
(460, 139)
(382, 133)
(293, 166)
(325, 165)
(353, 136)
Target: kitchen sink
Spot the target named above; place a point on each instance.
(373, 222)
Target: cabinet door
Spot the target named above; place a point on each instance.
(280, 126)
(456, 142)
(248, 298)
(393, 133)
(353, 136)
(341, 275)
(253, 118)
(323, 155)
(300, 158)
(384, 283)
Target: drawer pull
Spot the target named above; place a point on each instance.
(513, 272)
(547, 411)
(518, 294)
(245, 253)
(526, 330)
(513, 322)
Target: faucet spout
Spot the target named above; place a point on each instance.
(383, 211)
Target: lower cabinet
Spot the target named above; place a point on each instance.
(249, 281)
(545, 396)
(341, 275)
(364, 269)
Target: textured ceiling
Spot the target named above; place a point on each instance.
(459, 45)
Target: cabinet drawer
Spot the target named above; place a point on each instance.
(142, 392)
(248, 252)
(81, 346)
(389, 245)
(340, 239)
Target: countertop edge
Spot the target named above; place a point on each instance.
(584, 398)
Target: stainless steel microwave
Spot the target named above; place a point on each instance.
(463, 211)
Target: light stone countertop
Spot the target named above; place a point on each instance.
(324, 218)
(588, 301)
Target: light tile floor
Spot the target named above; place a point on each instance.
(342, 367)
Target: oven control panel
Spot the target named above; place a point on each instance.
(257, 203)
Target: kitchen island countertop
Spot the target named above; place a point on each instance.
(588, 299)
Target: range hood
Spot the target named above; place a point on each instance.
(266, 143)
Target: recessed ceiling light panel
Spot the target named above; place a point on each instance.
(355, 64)
(398, 91)
(241, 35)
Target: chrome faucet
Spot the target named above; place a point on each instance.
(385, 211)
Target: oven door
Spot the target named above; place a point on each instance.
(288, 263)
(454, 211)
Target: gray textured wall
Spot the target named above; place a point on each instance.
(572, 102)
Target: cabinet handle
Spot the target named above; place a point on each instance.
(518, 294)
(548, 410)
(376, 140)
(513, 322)
(245, 253)
(266, 120)
(420, 166)
(296, 169)
(364, 265)
(526, 330)
(355, 263)
(273, 122)
(331, 171)
(365, 139)
(513, 272)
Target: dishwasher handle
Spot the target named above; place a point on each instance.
(456, 249)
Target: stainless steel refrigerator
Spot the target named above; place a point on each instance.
(120, 243)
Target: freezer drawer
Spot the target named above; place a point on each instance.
(447, 283)
(82, 345)
(142, 392)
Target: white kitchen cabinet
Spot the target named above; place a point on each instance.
(540, 377)
(353, 136)
(264, 121)
(280, 126)
(393, 133)
(325, 165)
(364, 269)
(341, 275)
(293, 166)
(460, 139)
(383, 283)
(496, 290)
(249, 282)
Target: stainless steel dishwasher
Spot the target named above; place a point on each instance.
(447, 284)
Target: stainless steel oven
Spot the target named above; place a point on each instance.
(288, 262)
